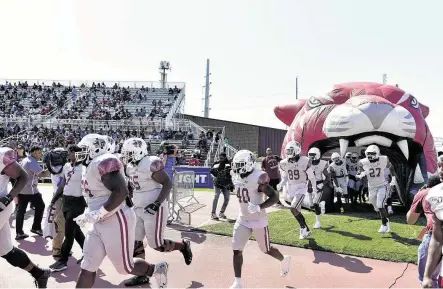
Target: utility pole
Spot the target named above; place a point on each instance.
(385, 78)
(207, 95)
(296, 87)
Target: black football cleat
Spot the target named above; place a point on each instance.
(137, 281)
(187, 252)
(42, 281)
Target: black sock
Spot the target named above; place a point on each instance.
(317, 209)
(301, 220)
(36, 272)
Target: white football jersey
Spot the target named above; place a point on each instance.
(94, 191)
(7, 157)
(295, 171)
(247, 192)
(375, 171)
(73, 180)
(319, 169)
(339, 170)
(146, 189)
(352, 168)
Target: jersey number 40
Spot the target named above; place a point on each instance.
(243, 195)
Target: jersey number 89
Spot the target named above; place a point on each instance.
(293, 175)
(243, 195)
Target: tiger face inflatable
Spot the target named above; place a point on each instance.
(359, 114)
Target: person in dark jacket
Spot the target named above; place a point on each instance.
(221, 173)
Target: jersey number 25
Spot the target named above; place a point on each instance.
(243, 195)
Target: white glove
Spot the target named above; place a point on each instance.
(279, 187)
(319, 186)
(358, 176)
(338, 190)
(253, 208)
(90, 217)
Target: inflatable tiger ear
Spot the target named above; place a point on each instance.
(359, 114)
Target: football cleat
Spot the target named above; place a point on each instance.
(304, 233)
(317, 225)
(385, 229)
(161, 274)
(285, 266)
(236, 284)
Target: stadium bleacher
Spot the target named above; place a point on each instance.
(52, 116)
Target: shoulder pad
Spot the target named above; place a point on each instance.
(263, 178)
(109, 165)
(8, 156)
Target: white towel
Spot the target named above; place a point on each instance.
(49, 230)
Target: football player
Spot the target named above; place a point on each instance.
(110, 213)
(152, 186)
(296, 170)
(320, 168)
(373, 167)
(16, 257)
(339, 176)
(353, 183)
(254, 195)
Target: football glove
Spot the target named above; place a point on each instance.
(310, 190)
(152, 208)
(252, 209)
(319, 186)
(4, 202)
(91, 217)
(279, 187)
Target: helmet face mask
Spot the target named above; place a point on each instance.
(335, 158)
(243, 163)
(314, 154)
(133, 150)
(372, 152)
(354, 157)
(91, 146)
(292, 149)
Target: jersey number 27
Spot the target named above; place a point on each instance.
(243, 195)
(374, 172)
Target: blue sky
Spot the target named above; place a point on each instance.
(257, 48)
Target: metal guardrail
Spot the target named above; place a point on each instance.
(183, 188)
(88, 83)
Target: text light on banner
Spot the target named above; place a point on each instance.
(202, 178)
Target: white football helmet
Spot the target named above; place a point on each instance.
(133, 150)
(372, 152)
(335, 157)
(314, 154)
(92, 146)
(292, 149)
(348, 155)
(354, 157)
(111, 144)
(243, 162)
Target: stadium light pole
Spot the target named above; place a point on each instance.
(207, 95)
(164, 66)
(385, 78)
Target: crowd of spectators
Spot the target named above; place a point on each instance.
(23, 100)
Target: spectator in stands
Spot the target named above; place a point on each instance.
(421, 206)
(226, 143)
(21, 154)
(194, 162)
(210, 134)
(197, 154)
(221, 174)
(31, 194)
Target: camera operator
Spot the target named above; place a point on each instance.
(73, 206)
(221, 173)
(55, 160)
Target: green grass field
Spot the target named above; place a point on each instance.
(351, 235)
